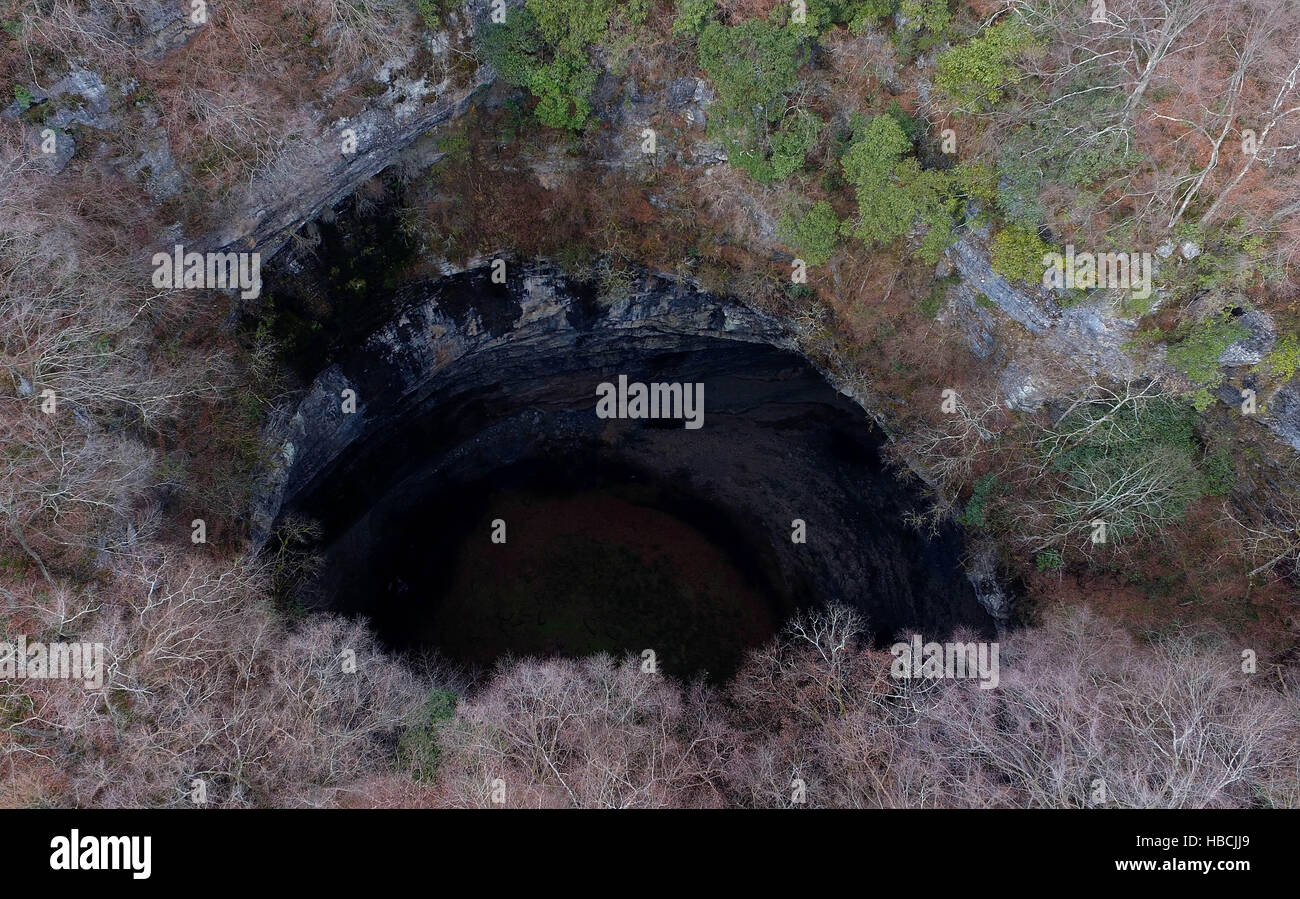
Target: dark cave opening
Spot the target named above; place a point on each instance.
(621, 535)
(596, 557)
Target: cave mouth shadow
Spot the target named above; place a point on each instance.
(597, 557)
(620, 535)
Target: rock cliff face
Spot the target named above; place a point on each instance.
(321, 157)
(473, 378)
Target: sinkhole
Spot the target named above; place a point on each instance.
(473, 501)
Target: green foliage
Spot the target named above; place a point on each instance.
(1048, 560)
(546, 47)
(513, 48)
(562, 88)
(23, 96)
(813, 234)
(455, 146)
(1229, 259)
(1285, 358)
(1019, 184)
(418, 746)
(1197, 354)
(976, 75)
(754, 66)
(933, 301)
(792, 142)
(976, 512)
(937, 207)
(1201, 399)
(914, 128)
(1219, 473)
(1133, 465)
(430, 12)
(884, 210)
(822, 15)
(1053, 150)
(571, 26)
(923, 24)
(928, 15)
(977, 180)
(1017, 254)
(692, 16)
(894, 193)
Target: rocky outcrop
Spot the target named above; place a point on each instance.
(322, 173)
(320, 158)
(1283, 417)
(1061, 344)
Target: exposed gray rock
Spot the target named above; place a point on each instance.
(1090, 338)
(680, 93)
(1283, 417)
(1020, 390)
(971, 259)
(1251, 350)
(154, 165)
(982, 570)
(322, 174)
(78, 99)
(962, 307)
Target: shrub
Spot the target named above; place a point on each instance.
(884, 211)
(1128, 459)
(928, 15)
(859, 16)
(1197, 354)
(975, 75)
(692, 16)
(512, 48)
(791, 144)
(571, 26)
(1220, 473)
(546, 46)
(813, 234)
(977, 507)
(754, 66)
(562, 88)
(419, 749)
(894, 193)
(1285, 358)
(430, 12)
(977, 180)
(1048, 560)
(922, 24)
(1017, 255)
